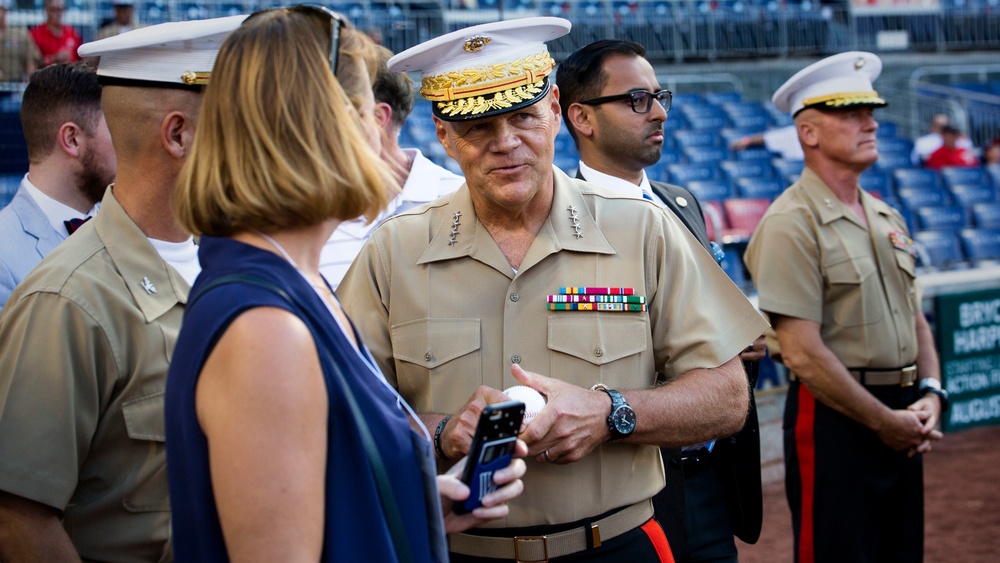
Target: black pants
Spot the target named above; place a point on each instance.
(633, 546)
(852, 497)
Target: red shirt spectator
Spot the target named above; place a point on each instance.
(56, 42)
(950, 154)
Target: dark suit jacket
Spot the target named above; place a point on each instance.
(737, 458)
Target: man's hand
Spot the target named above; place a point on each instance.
(452, 489)
(903, 429)
(931, 404)
(456, 437)
(756, 351)
(572, 424)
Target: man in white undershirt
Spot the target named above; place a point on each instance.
(420, 179)
(70, 164)
(89, 333)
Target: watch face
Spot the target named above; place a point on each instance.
(624, 420)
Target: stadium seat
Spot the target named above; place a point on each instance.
(916, 178)
(994, 172)
(705, 155)
(760, 188)
(894, 145)
(981, 244)
(719, 98)
(744, 215)
(886, 129)
(684, 173)
(951, 218)
(943, 248)
(877, 181)
(747, 169)
(954, 175)
(696, 138)
(971, 194)
(715, 219)
(893, 161)
(758, 122)
(743, 109)
(788, 168)
(711, 190)
(675, 121)
(915, 198)
(754, 153)
(708, 122)
(987, 215)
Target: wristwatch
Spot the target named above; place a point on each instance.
(931, 385)
(621, 421)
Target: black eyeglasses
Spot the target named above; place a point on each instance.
(329, 17)
(640, 100)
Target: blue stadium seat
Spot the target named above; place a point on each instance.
(711, 190)
(758, 122)
(981, 244)
(893, 161)
(706, 155)
(743, 109)
(675, 121)
(760, 188)
(788, 168)
(877, 181)
(730, 134)
(950, 218)
(719, 98)
(994, 171)
(915, 198)
(987, 215)
(971, 194)
(886, 129)
(754, 153)
(657, 173)
(959, 175)
(747, 168)
(916, 178)
(894, 145)
(685, 173)
(944, 248)
(708, 122)
(696, 138)
(671, 156)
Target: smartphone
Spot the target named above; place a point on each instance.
(492, 449)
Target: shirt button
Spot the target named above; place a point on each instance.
(598, 351)
(514, 297)
(516, 358)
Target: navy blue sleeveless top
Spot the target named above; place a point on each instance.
(355, 526)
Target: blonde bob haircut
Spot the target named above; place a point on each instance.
(278, 144)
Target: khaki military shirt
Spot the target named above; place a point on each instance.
(17, 51)
(87, 338)
(442, 311)
(812, 258)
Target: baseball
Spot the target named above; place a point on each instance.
(533, 401)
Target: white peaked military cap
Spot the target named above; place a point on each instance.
(485, 70)
(839, 81)
(175, 54)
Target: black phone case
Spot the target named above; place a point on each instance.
(492, 449)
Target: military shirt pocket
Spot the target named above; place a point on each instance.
(908, 264)
(595, 347)
(855, 293)
(438, 361)
(146, 487)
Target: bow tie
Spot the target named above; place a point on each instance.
(73, 224)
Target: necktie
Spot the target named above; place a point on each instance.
(645, 195)
(73, 224)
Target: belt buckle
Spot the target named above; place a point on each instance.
(902, 376)
(545, 546)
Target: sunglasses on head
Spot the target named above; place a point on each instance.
(330, 18)
(640, 100)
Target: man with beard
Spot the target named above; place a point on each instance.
(614, 108)
(70, 164)
(87, 336)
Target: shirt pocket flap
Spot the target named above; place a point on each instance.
(907, 263)
(598, 339)
(433, 342)
(850, 271)
(144, 418)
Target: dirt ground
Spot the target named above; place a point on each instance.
(961, 497)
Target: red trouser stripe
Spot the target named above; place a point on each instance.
(656, 536)
(805, 446)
